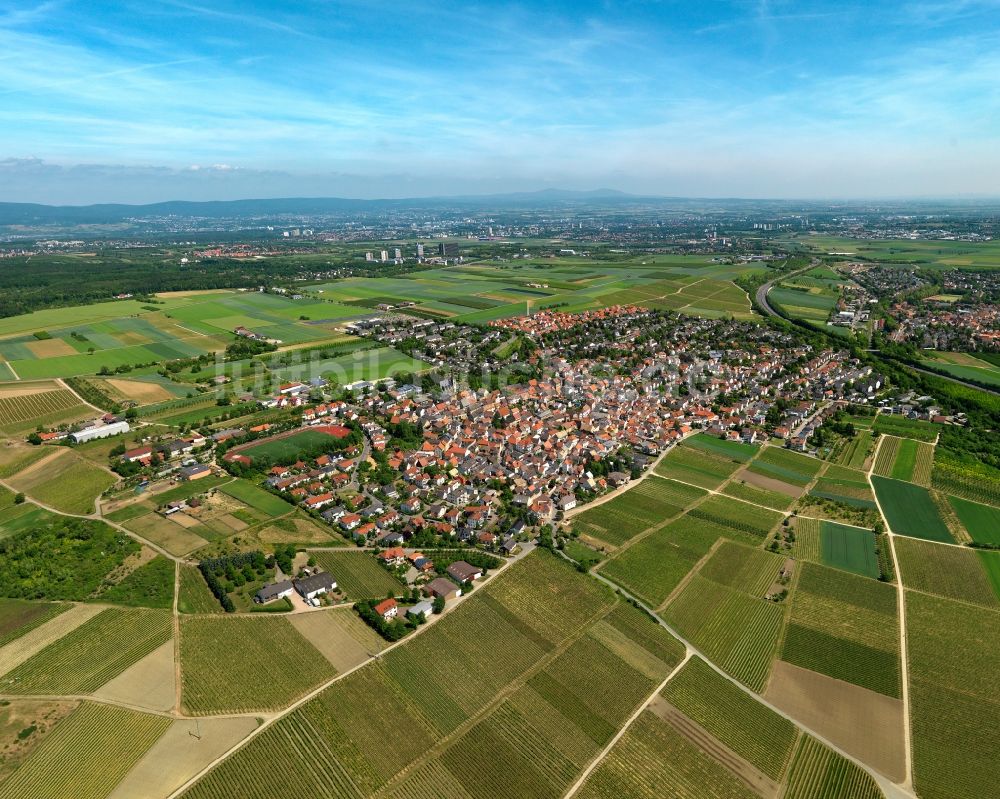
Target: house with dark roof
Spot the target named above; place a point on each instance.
(464, 572)
(442, 587)
(315, 584)
(273, 591)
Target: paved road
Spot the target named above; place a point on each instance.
(763, 290)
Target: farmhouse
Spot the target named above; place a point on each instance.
(464, 572)
(442, 588)
(387, 609)
(138, 455)
(273, 591)
(316, 584)
(423, 609)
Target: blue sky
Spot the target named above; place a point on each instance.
(144, 101)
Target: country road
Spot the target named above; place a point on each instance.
(763, 290)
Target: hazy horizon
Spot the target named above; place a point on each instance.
(174, 100)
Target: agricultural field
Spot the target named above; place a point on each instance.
(845, 486)
(745, 522)
(738, 632)
(696, 467)
(194, 595)
(739, 489)
(786, 466)
(820, 773)
(64, 481)
(743, 568)
(905, 459)
(241, 664)
(853, 452)
(358, 574)
(955, 713)
(86, 754)
(256, 498)
(812, 303)
(902, 427)
(849, 548)
(982, 522)
(654, 753)
(92, 654)
(25, 405)
(965, 366)
(654, 566)
(18, 617)
(910, 510)
(844, 626)
(733, 450)
(950, 572)
(732, 716)
(150, 585)
(536, 739)
(645, 505)
(973, 481)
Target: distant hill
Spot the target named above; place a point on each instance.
(109, 213)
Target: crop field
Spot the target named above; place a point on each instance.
(906, 428)
(645, 505)
(854, 452)
(653, 753)
(700, 468)
(194, 595)
(933, 254)
(849, 548)
(750, 729)
(812, 304)
(808, 540)
(743, 568)
(950, 572)
(653, 567)
(92, 654)
(738, 632)
(14, 459)
(844, 626)
(982, 522)
(25, 405)
(747, 522)
(167, 533)
(848, 486)
(68, 483)
(953, 649)
(910, 510)
(786, 465)
(991, 565)
(733, 450)
(542, 732)
(240, 664)
(758, 496)
(86, 755)
(970, 368)
(820, 773)
(18, 617)
(358, 575)
(257, 498)
(888, 451)
(979, 483)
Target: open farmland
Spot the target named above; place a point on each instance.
(256, 498)
(975, 482)
(854, 451)
(645, 505)
(738, 632)
(849, 548)
(746, 569)
(736, 719)
(820, 773)
(733, 450)
(18, 617)
(748, 492)
(22, 406)
(844, 485)
(950, 572)
(92, 654)
(536, 738)
(786, 466)
(240, 664)
(358, 575)
(906, 428)
(66, 482)
(982, 522)
(744, 521)
(700, 468)
(910, 510)
(844, 626)
(653, 567)
(86, 755)
(955, 713)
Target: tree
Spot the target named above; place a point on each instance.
(439, 605)
(19, 498)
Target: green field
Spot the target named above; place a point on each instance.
(653, 567)
(758, 496)
(820, 773)
(906, 428)
(149, 586)
(733, 450)
(745, 522)
(18, 617)
(844, 626)
(950, 572)
(98, 650)
(854, 451)
(738, 632)
(68, 483)
(744, 568)
(194, 595)
(289, 449)
(697, 467)
(240, 664)
(910, 510)
(982, 522)
(849, 548)
(358, 575)
(735, 718)
(645, 505)
(86, 755)
(953, 649)
(257, 498)
(786, 465)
